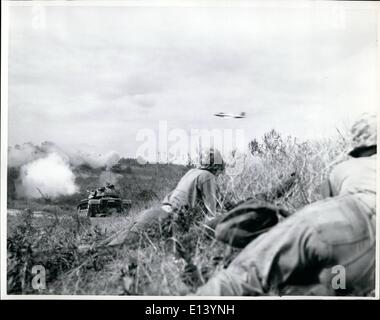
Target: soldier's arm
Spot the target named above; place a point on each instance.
(209, 190)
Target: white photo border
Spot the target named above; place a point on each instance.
(147, 3)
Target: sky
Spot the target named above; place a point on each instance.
(94, 77)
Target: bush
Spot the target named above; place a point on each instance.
(52, 243)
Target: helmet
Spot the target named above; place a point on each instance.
(211, 159)
(364, 132)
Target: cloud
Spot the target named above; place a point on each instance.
(81, 82)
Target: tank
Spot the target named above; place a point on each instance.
(103, 202)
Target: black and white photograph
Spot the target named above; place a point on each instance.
(189, 150)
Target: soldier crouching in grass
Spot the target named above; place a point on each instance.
(196, 191)
(304, 253)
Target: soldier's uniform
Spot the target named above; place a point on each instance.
(196, 190)
(303, 254)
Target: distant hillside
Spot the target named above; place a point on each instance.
(138, 182)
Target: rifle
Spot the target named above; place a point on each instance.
(268, 196)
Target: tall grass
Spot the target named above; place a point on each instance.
(155, 265)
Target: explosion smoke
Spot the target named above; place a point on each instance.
(95, 160)
(22, 154)
(51, 175)
(109, 177)
(45, 170)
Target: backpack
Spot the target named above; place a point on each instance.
(246, 222)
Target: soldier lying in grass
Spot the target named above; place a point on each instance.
(302, 254)
(196, 191)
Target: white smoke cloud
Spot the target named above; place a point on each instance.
(51, 175)
(111, 159)
(22, 154)
(95, 160)
(109, 177)
(48, 168)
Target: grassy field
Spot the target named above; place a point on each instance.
(52, 235)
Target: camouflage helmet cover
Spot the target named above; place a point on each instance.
(364, 132)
